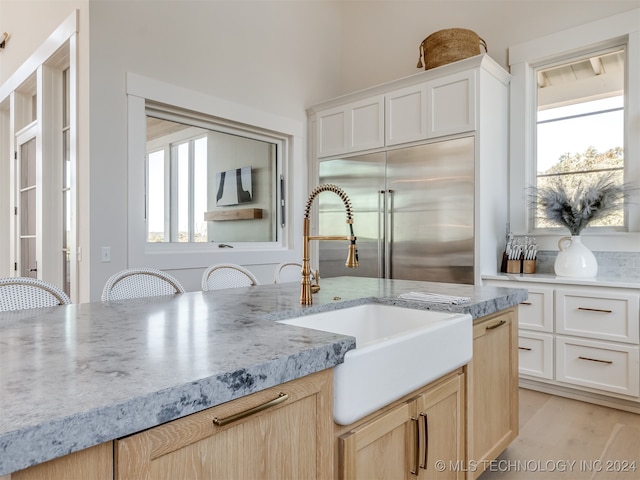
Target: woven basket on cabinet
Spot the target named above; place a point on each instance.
(449, 45)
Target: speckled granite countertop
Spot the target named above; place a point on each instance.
(75, 376)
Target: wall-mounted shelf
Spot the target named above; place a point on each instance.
(240, 214)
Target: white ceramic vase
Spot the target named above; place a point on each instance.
(574, 259)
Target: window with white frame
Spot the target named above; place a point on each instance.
(580, 124)
(575, 113)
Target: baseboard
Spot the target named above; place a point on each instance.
(619, 403)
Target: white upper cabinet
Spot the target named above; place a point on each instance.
(435, 103)
(451, 104)
(406, 114)
(352, 127)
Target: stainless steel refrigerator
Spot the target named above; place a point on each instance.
(413, 213)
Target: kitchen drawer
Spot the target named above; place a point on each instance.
(600, 365)
(596, 314)
(535, 354)
(536, 313)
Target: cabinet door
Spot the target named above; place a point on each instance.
(441, 432)
(599, 315)
(451, 103)
(354, 127)
(612, 367)
(406, 115)
(290, 440)
(493, 387)
(95, 463)
(380, 449)
(536, 354)
(536, 313)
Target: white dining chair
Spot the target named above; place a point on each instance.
(140, 282)
(290, 272)
(18, 293)
(227, 275)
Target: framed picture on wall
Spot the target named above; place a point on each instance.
(234, 187)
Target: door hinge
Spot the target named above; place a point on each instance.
(15, 155)
(15, 210)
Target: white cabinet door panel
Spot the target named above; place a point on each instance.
(602, 365)
(451, 103)
(406, 115)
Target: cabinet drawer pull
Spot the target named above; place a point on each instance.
(416, 459)
(524, 348)
(426, 441)
(499, 324)
(608, 362)
(525, 303)
(221, 422)
(594, 310)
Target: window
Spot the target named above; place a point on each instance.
(209, 183)
(586, 81)
(580, 124)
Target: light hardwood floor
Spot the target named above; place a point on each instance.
(567, 439)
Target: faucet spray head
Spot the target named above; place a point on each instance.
(352, 257)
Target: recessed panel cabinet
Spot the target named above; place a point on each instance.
(407, 440)
(280, 433)
(353, 127)
(428, 105)
(581, 342)
(493, 388)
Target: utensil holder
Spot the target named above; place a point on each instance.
(514, 266)
(528, 266)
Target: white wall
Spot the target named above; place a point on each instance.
(381, 38)
(272, 56)
(275, 56)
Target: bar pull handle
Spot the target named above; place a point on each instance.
(608, 362)
(524, 348)
(585, 309)
(525, 303)
(423, 465)
(416, 459)
(221, 422)
(499, 324)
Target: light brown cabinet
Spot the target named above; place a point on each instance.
(248, 438)
(407, 439)
(95, 463)
(492, 377)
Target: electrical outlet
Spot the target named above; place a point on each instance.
(105, 254)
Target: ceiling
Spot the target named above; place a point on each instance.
(588, 78)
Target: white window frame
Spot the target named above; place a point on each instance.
(168, 255)
(524, 59)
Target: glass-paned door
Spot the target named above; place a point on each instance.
(27, 209)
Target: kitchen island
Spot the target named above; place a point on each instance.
(77, 376)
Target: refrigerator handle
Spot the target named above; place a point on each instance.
(382, 214)
(388, 234)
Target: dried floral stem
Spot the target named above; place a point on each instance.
(575, 210)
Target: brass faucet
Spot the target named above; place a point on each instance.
(352, 257)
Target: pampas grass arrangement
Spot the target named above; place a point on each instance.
(577, 206)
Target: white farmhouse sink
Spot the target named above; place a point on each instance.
(397, 351)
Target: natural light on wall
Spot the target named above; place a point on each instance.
(580, 123)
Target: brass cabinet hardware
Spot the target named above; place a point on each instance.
(499, 324)
(422, 444)
(594, 310)
(426, 441)
(608, 362)
(416, 458)
(524, 348)
(221, 422)
(525, 303)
